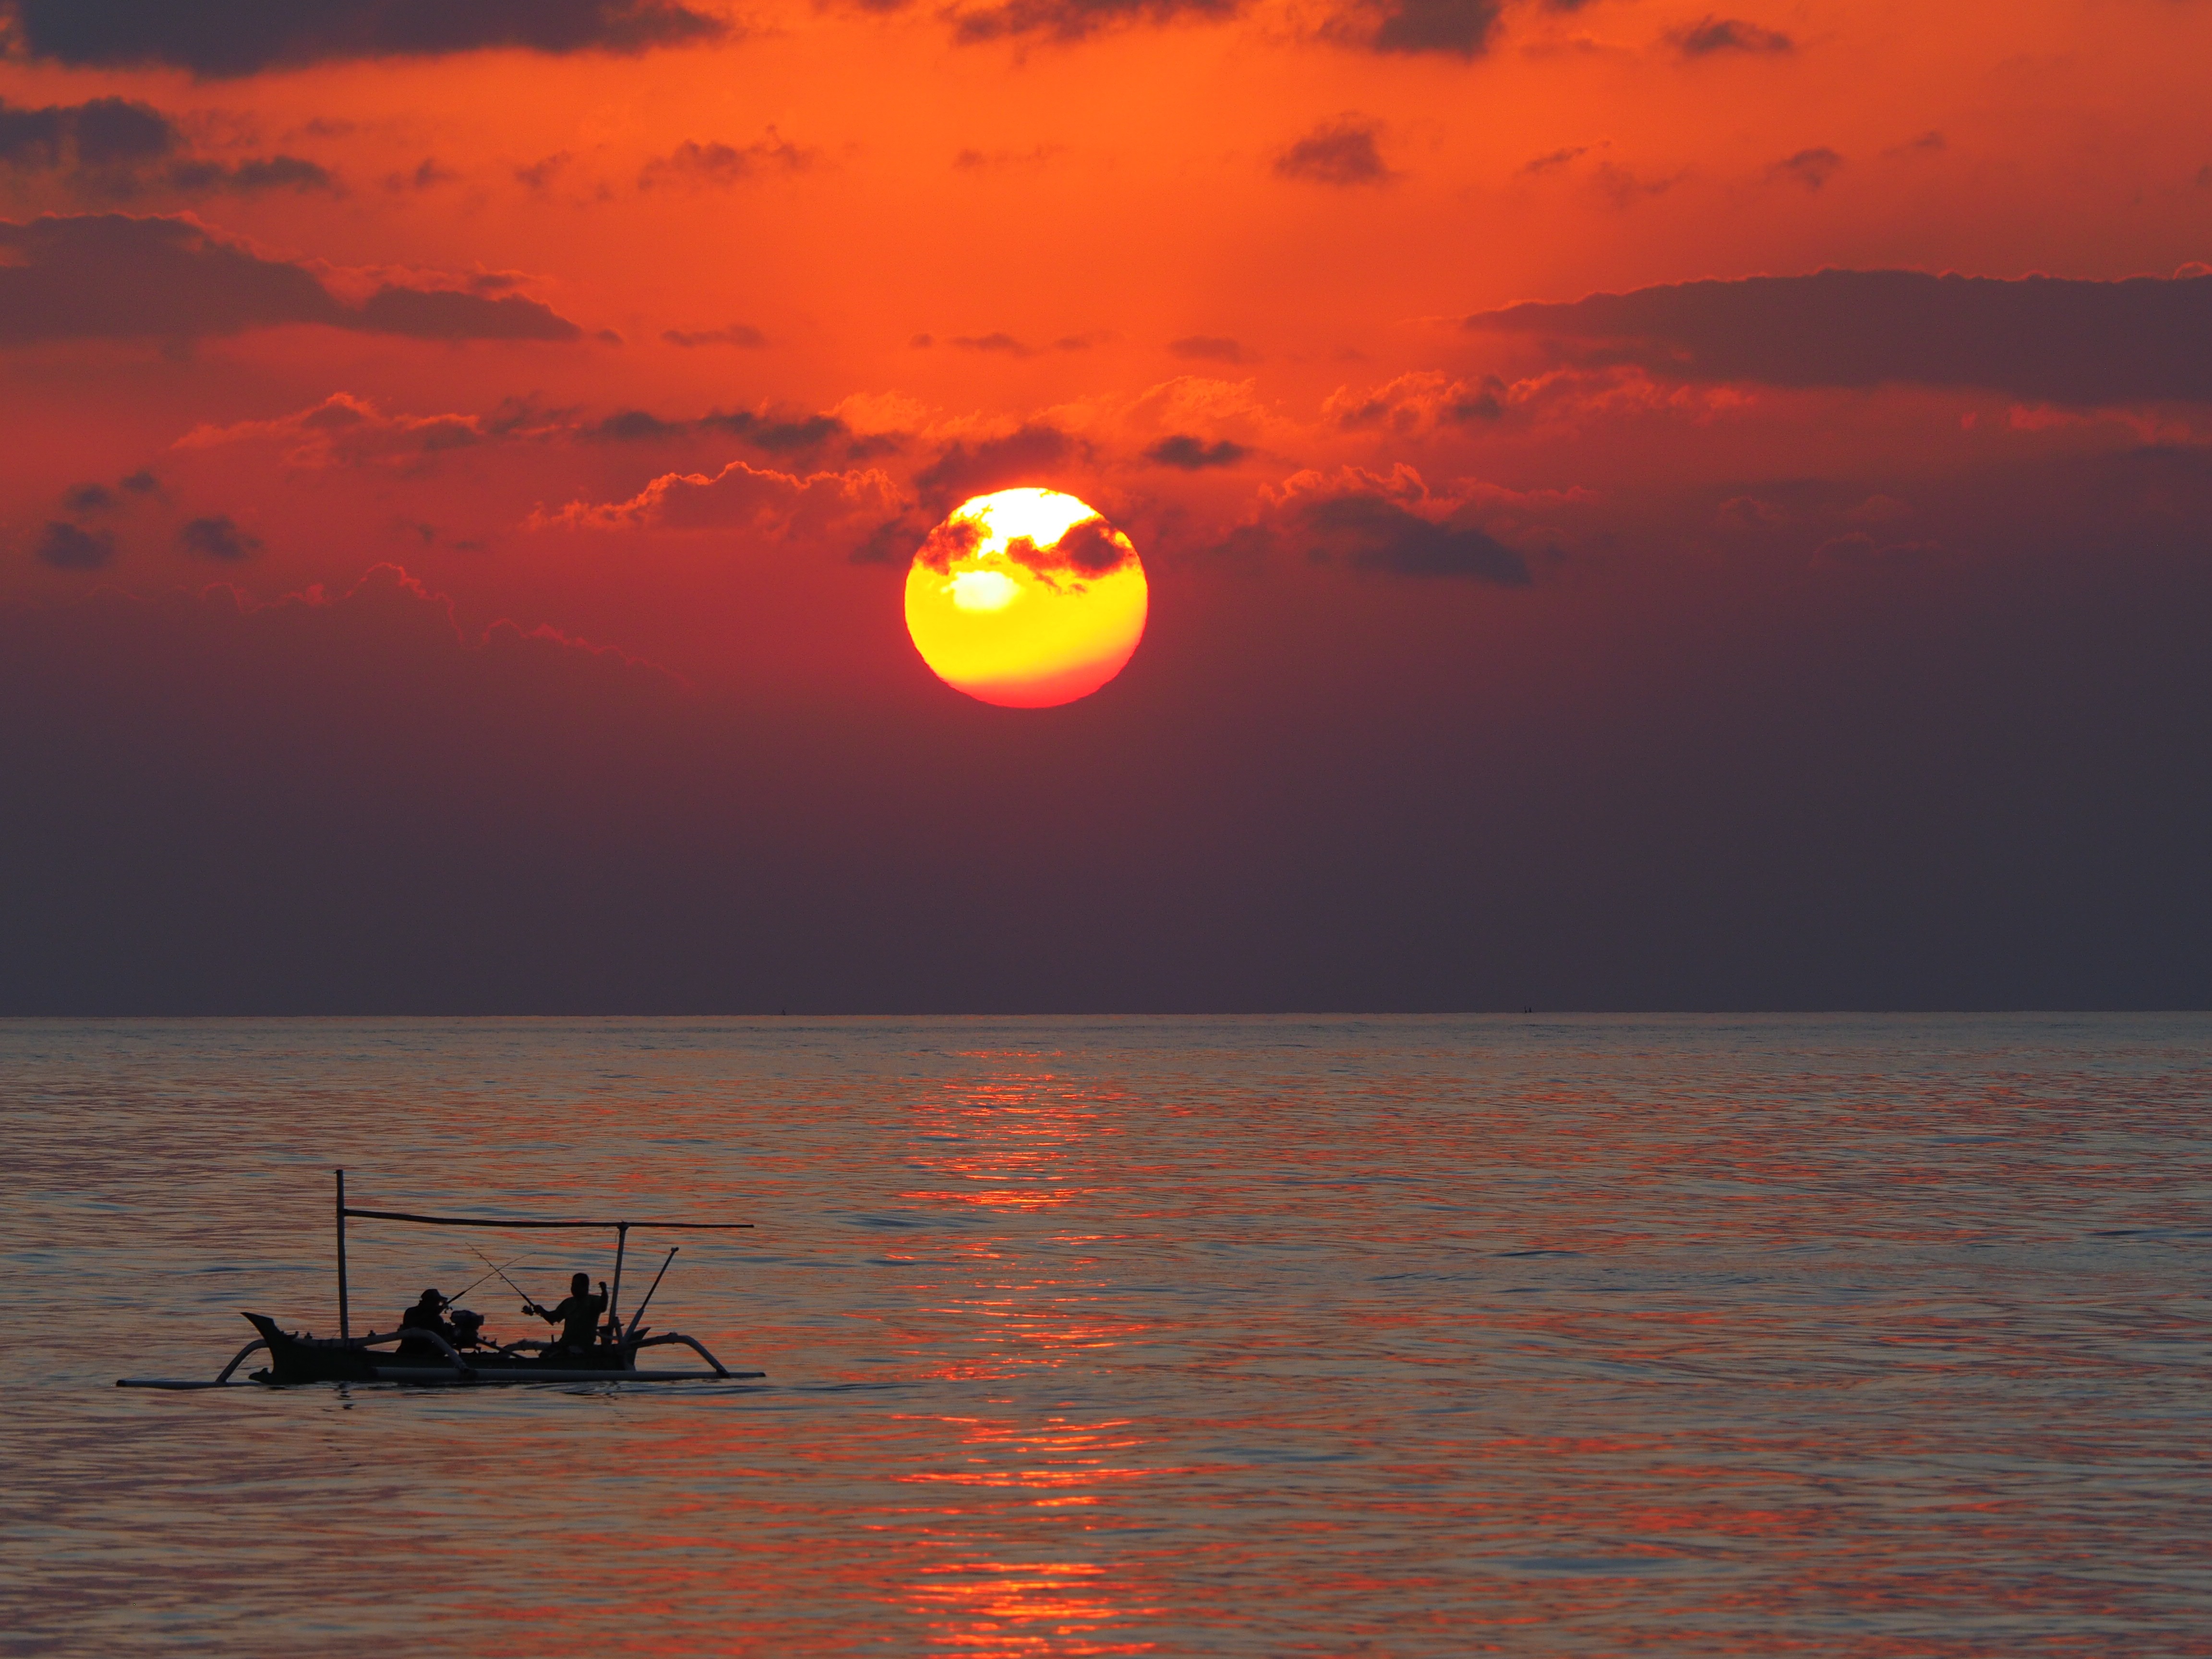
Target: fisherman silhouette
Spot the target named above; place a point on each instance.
(427, 1314)
(578, 1316)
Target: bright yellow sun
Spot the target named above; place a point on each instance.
(1027, 598)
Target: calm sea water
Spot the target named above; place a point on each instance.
(1592, 1336)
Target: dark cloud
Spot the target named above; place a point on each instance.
(897, 540)
(244, 178)
(636, 426)
(1209, 349)
(1006, 345)
(111, 130)
(1023, 457)
(1374, 533)
(103, 132)
(112, 148)
(344, 430)
(243, 37)
(539, 175)
(737, 334)
(773, 433)
(66, 547)
(510, 417)
(975, 161)
(1710, 34)
(91, 498)
(1192, 453)
(217, 537)
(720, 164)
(1552, 159)
(1930, 143)
(1074, 20)
(2048, 339)
(783, 435)
(1810, 167)
(1458, 28)
(427, 174)
(31, 137)
(445, 314)
(1092, 548)
(942, 544)
(1339, 152)
(1623, 188)
(107, 276)
(114, 276)
(1416, 403)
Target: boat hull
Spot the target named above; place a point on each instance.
(297, 1359)
(448, 1377)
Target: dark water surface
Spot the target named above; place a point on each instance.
(1603, 1336)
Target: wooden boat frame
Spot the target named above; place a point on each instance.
(428, 1358)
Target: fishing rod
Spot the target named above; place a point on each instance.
(636, 1318)
(479, 1279)
(526, 1302)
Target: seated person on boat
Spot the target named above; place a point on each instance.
(578, 1316)
(427, 1314)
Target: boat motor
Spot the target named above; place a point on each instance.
(468, 1327)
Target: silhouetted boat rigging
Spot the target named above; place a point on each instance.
(460, 1354)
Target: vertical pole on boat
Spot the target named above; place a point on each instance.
(621, 1242)
(637, 1317)
(345, 1317)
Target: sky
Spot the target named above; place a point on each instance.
(1644, 506)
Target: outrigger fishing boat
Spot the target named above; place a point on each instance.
(456, 1350)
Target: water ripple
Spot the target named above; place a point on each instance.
(1427, 1336)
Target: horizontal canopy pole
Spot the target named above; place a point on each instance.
(481, 1221)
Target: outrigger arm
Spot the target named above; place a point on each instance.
(692, 1343)
(462, 1370)
(179, 1385)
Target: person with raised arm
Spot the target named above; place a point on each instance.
(578, 1316)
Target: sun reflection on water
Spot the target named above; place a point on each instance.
(1060, 1474)
(1019, 1140)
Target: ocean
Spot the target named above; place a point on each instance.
(1297, 1335)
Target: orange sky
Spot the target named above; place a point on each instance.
(1206, 266)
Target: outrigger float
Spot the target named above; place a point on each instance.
(426, 1356)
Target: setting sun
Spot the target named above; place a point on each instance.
(1027, 598)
